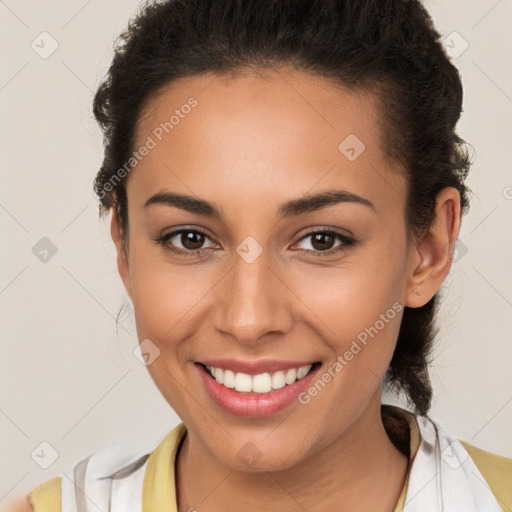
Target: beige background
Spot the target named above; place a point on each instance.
(66, 378)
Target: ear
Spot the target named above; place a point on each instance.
(431, 255)
(122, 258)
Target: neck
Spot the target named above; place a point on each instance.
(360, 470)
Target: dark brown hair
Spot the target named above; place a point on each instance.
(387, 47)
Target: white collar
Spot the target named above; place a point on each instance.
(443, 476)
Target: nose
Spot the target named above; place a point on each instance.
(254, 301)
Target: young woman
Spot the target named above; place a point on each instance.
(286, 187)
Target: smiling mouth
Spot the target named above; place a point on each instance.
(261, 383)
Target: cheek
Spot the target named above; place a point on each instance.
(357, 312)
(165, 299)
(352, 295)
(358, 306)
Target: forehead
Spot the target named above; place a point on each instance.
(280, 132)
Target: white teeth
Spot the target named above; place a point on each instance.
(219, 376)
(278, 381)
(302, 372)
(243, 382)
(229, 379)
(291, 376)
(261, 383)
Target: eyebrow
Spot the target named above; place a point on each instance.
(306, 204)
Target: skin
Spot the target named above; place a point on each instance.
(20, 504)
(252, 143)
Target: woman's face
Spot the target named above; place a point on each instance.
(268, 284)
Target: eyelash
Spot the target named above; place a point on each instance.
(347, 243)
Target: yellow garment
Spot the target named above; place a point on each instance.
(158, 496)
(46, 497)
(497, 471)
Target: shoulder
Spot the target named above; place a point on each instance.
(46, 496)
(90, 477)
(21, 504)
(125, 462)
(497, 471)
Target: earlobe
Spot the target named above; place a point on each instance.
(122, 258)
(431, 256)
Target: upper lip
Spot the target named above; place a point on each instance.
(254, 367)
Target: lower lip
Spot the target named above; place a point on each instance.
(256, 405)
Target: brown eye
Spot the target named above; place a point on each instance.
(192, 240)
(186, 242)
(326, 242)
(322, 241)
